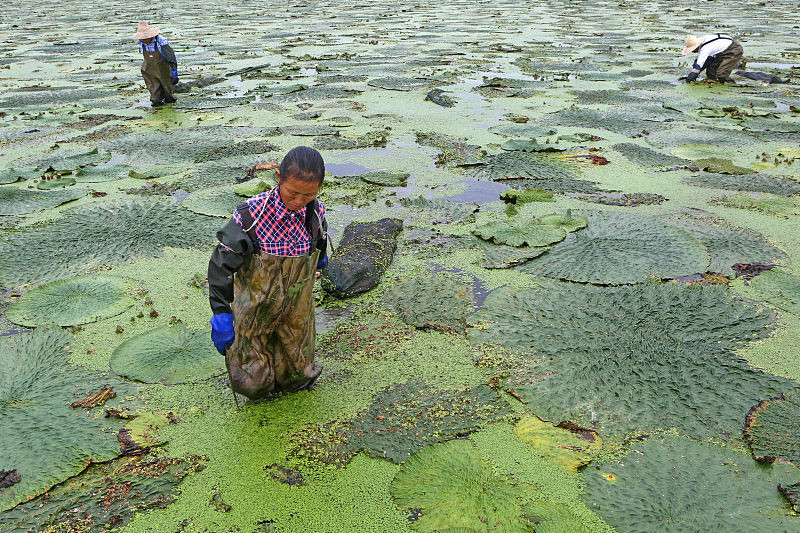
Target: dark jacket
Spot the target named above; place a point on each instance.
(225, 263)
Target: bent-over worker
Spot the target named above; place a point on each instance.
(717, 54)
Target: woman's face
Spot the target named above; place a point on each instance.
(148, 40)
(296, 193)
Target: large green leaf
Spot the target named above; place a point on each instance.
(43, 438)
(678, 484)
(453, 150)
(72, 160)
(99, 235)
(779, 288)
(772, 428)
(726, 244)
(452, 486)
(745, 182)
(15, 201)
(215, 201)
(647, 157)
(769, 204)
(104, 496)
(520, 232)
(73, 301)
(553, 517)
(168, 355)
(620, 248)
(631, 358)
(432, 301)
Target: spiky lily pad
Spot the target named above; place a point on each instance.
(521, 164)
(769, 204)
(443, 210)
(631, 121)
(629, 199)
(72, 160)
(454, 487)
(454, 150)
(569, 446)
(104, 496)
(99, 235)
(646, 157)
(779, 288)
(721, 166)
(385, 178)
(747, 182)
(771, 429)
(619, 248)
(168, 355)
(43, 438)
(396, 83)
(11, 175)
(526, 196)
(553, 517)
(101, 174)
(216, 201)
(567, 221)
(520, 232)
(432, 301)
(792, 494)
(405, 418)
(74, 301)
(710, 488)
(499, 256)
(632, 358)
(15, 201)
(55, 183)
(529, 145)
(727, 245)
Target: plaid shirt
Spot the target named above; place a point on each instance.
(280, 231)
(156, 44)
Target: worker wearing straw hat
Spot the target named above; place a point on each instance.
(717, 54)
(160, 68)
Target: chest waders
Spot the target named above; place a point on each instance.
(720, 66)
(273, 309)
(156, 74)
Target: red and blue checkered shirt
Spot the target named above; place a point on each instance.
(280, 231)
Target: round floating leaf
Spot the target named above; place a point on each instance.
(498, 256)
(250, 188)
(569, 446)
(454, 487)
(443, 210)
(553, 517)
(405, 418)
(769, 204)
(432, 301)
(385, 178)
(395, 83)
(779, 288)
(629, 200)
(619, 248)
(215, 202)
(10, 176)
(771, 429)
(748, 182)
(726, 244)
(721, 166)
(520, 232)
(453, 150)
(168, 355)
(43, 438)
(14, 201)
(526, 196)
(528, 145)
(74, 301)
(646, 157)
(566, 221)
(102, 497)
(101, 174)
(99, 235)
(677, 484)
(57, 183)
(632, 358)
(72, 160)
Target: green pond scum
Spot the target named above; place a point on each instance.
(594, 300)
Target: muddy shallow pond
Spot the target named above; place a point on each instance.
(594, 301)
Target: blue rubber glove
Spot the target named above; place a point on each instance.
(692, 76)
(322, 263)
(222, 333)
(174, 77)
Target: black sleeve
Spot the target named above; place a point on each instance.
(169, 56)
(224, 263)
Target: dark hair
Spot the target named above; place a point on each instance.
(303, 163)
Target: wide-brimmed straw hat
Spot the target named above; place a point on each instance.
(145, 31)
(692, 42)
